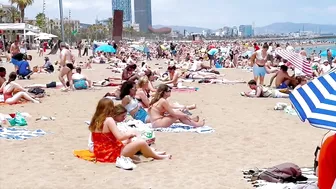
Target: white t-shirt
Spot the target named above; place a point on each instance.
(290, 48)
(325, 68)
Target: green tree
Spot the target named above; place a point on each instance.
(13, 15)
(22, 5)
(41, 21)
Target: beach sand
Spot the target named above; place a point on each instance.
(249, 133)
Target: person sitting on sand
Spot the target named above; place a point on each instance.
(128, 73)
(262, 92)
(159, 107)
(128, 100)
(324, 68)
(47, 66)
(23, 66)
(2, 75)
(282, 79)
(301, 80)
(8, 88)
(327, 164)
(174, 75)
(109, 142)
(80, 81)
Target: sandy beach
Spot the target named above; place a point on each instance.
(249, 133)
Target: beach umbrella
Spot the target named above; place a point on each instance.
(106, 49)
(297, 60)
(30, 34)
(333, 53)
(316, 101)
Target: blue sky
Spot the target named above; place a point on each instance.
(204, 13)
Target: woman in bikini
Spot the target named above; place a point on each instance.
(66, 63)
(258, 61)
(142, 95)
(8, 88)
(160, 107)
(110, 143)
(127, 94)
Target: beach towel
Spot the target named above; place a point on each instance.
(85, 155)
(188, 90)
(180, 128)
(20, 134)
(307, 172)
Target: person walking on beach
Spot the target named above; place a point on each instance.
(86, 49)
(66, 63)
(329, 56)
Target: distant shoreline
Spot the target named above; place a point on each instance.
(315, 45)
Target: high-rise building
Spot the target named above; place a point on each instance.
(143, 14)
(125, 6)
(246, 30)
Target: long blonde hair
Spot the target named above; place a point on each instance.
(159, 93)
(104, 109)
(142, 81)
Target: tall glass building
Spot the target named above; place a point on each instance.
(143, 14)
(124, 5)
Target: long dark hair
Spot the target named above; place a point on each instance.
(126, 88)
(12, 77)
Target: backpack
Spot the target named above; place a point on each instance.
(286, 172)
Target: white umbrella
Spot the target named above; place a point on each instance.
(30, 33)
(42, 37)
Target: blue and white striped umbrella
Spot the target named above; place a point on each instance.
(316, 101)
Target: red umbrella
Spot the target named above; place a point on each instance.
(298, 61)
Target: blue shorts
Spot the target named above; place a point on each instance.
(283, 86)
(80, 84)
(259, 71)
(141, 115)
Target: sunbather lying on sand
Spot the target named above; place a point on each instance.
(263, 92)
(159, 106)
(13, 92)
(109, 142)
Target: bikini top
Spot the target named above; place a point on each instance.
(133, 104)
(259, 55)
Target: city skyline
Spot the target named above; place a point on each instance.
(214, 15)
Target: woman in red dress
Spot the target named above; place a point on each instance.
(109, 142)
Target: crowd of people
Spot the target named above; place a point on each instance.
(143, 100)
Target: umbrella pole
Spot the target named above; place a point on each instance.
(61, 18)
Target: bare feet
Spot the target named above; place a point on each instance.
(164, 157)
(196, 119)
(201, 123)
(191, 107)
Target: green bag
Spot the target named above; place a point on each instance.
(18, 120)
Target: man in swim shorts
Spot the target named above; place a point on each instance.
(283, 80)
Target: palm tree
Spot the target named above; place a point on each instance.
(22, 5)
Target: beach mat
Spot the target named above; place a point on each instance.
(261, 184)
(182, 128)
(20, 134)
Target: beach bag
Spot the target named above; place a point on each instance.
(36, 91)
(18, 120)
(286, 172)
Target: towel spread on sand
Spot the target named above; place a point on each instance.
(307, 172)
(180, 128)
(175, 128)
(20, 134)
(85, 155)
